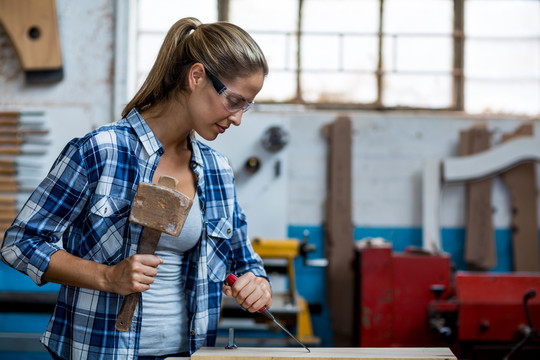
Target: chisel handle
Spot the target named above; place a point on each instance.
(230, 280)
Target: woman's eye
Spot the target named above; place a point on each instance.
(234, 101)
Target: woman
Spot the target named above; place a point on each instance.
(74, 229)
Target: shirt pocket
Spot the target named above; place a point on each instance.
(218, 247)
(107, 224)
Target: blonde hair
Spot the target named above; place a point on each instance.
(226, 50)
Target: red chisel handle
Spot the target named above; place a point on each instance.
(230, 281)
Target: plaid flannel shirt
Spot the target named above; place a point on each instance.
(82, 206)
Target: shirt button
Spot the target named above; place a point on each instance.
(193, 332)
(193, 165)
(229, 231)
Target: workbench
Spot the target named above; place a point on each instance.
(219, 353)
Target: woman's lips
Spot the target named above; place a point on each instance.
(221, 129)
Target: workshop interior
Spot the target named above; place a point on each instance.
(388, 168)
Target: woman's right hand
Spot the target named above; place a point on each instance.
(133, 274)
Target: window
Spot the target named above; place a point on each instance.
(475, 55)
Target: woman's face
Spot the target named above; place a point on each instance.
(213, 113)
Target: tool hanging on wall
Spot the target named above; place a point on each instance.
(22, 142)
(32, 27)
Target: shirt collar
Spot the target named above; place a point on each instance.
(150, 143)
(196, 156)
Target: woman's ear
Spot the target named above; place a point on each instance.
(196, 76)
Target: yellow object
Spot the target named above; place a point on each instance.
(289, 249)
(280, 248)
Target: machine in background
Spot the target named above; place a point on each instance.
(416, 299)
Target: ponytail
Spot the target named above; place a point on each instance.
(223, 48)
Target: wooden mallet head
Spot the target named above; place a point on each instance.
(160, 206)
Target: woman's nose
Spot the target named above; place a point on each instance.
(236, 118)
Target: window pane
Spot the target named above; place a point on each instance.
(277, 39)
(320, 52)
(502, 97)
(348, 52)
(502, 53)
(338, 87)
(339, 51)
(502, 18)
(275, 15)
(418, 53)
(502, 59)
(279, 50)
(155, 17)
(278, 86)
(418, 16)
(416, 90)
(347, 16)
(360, 53)
(159, 15)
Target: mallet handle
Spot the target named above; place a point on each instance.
(149, 241)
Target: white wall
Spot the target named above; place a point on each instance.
(389, 150)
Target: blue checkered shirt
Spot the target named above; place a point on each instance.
(82, 206)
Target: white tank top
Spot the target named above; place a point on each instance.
(164, 322)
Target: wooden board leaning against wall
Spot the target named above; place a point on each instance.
(520, 179)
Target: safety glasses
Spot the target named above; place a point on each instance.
(233, 102)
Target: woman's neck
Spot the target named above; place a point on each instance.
(169, 124)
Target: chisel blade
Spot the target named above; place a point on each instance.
(269, 315)
(230, 281)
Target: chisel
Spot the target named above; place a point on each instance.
(230, 281)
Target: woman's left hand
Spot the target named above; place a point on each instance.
(250, 291)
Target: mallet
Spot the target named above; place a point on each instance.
(160, 209)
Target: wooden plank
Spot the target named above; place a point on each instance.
(339, 238)
(480, 251)
(324, 353)
(521, 183)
